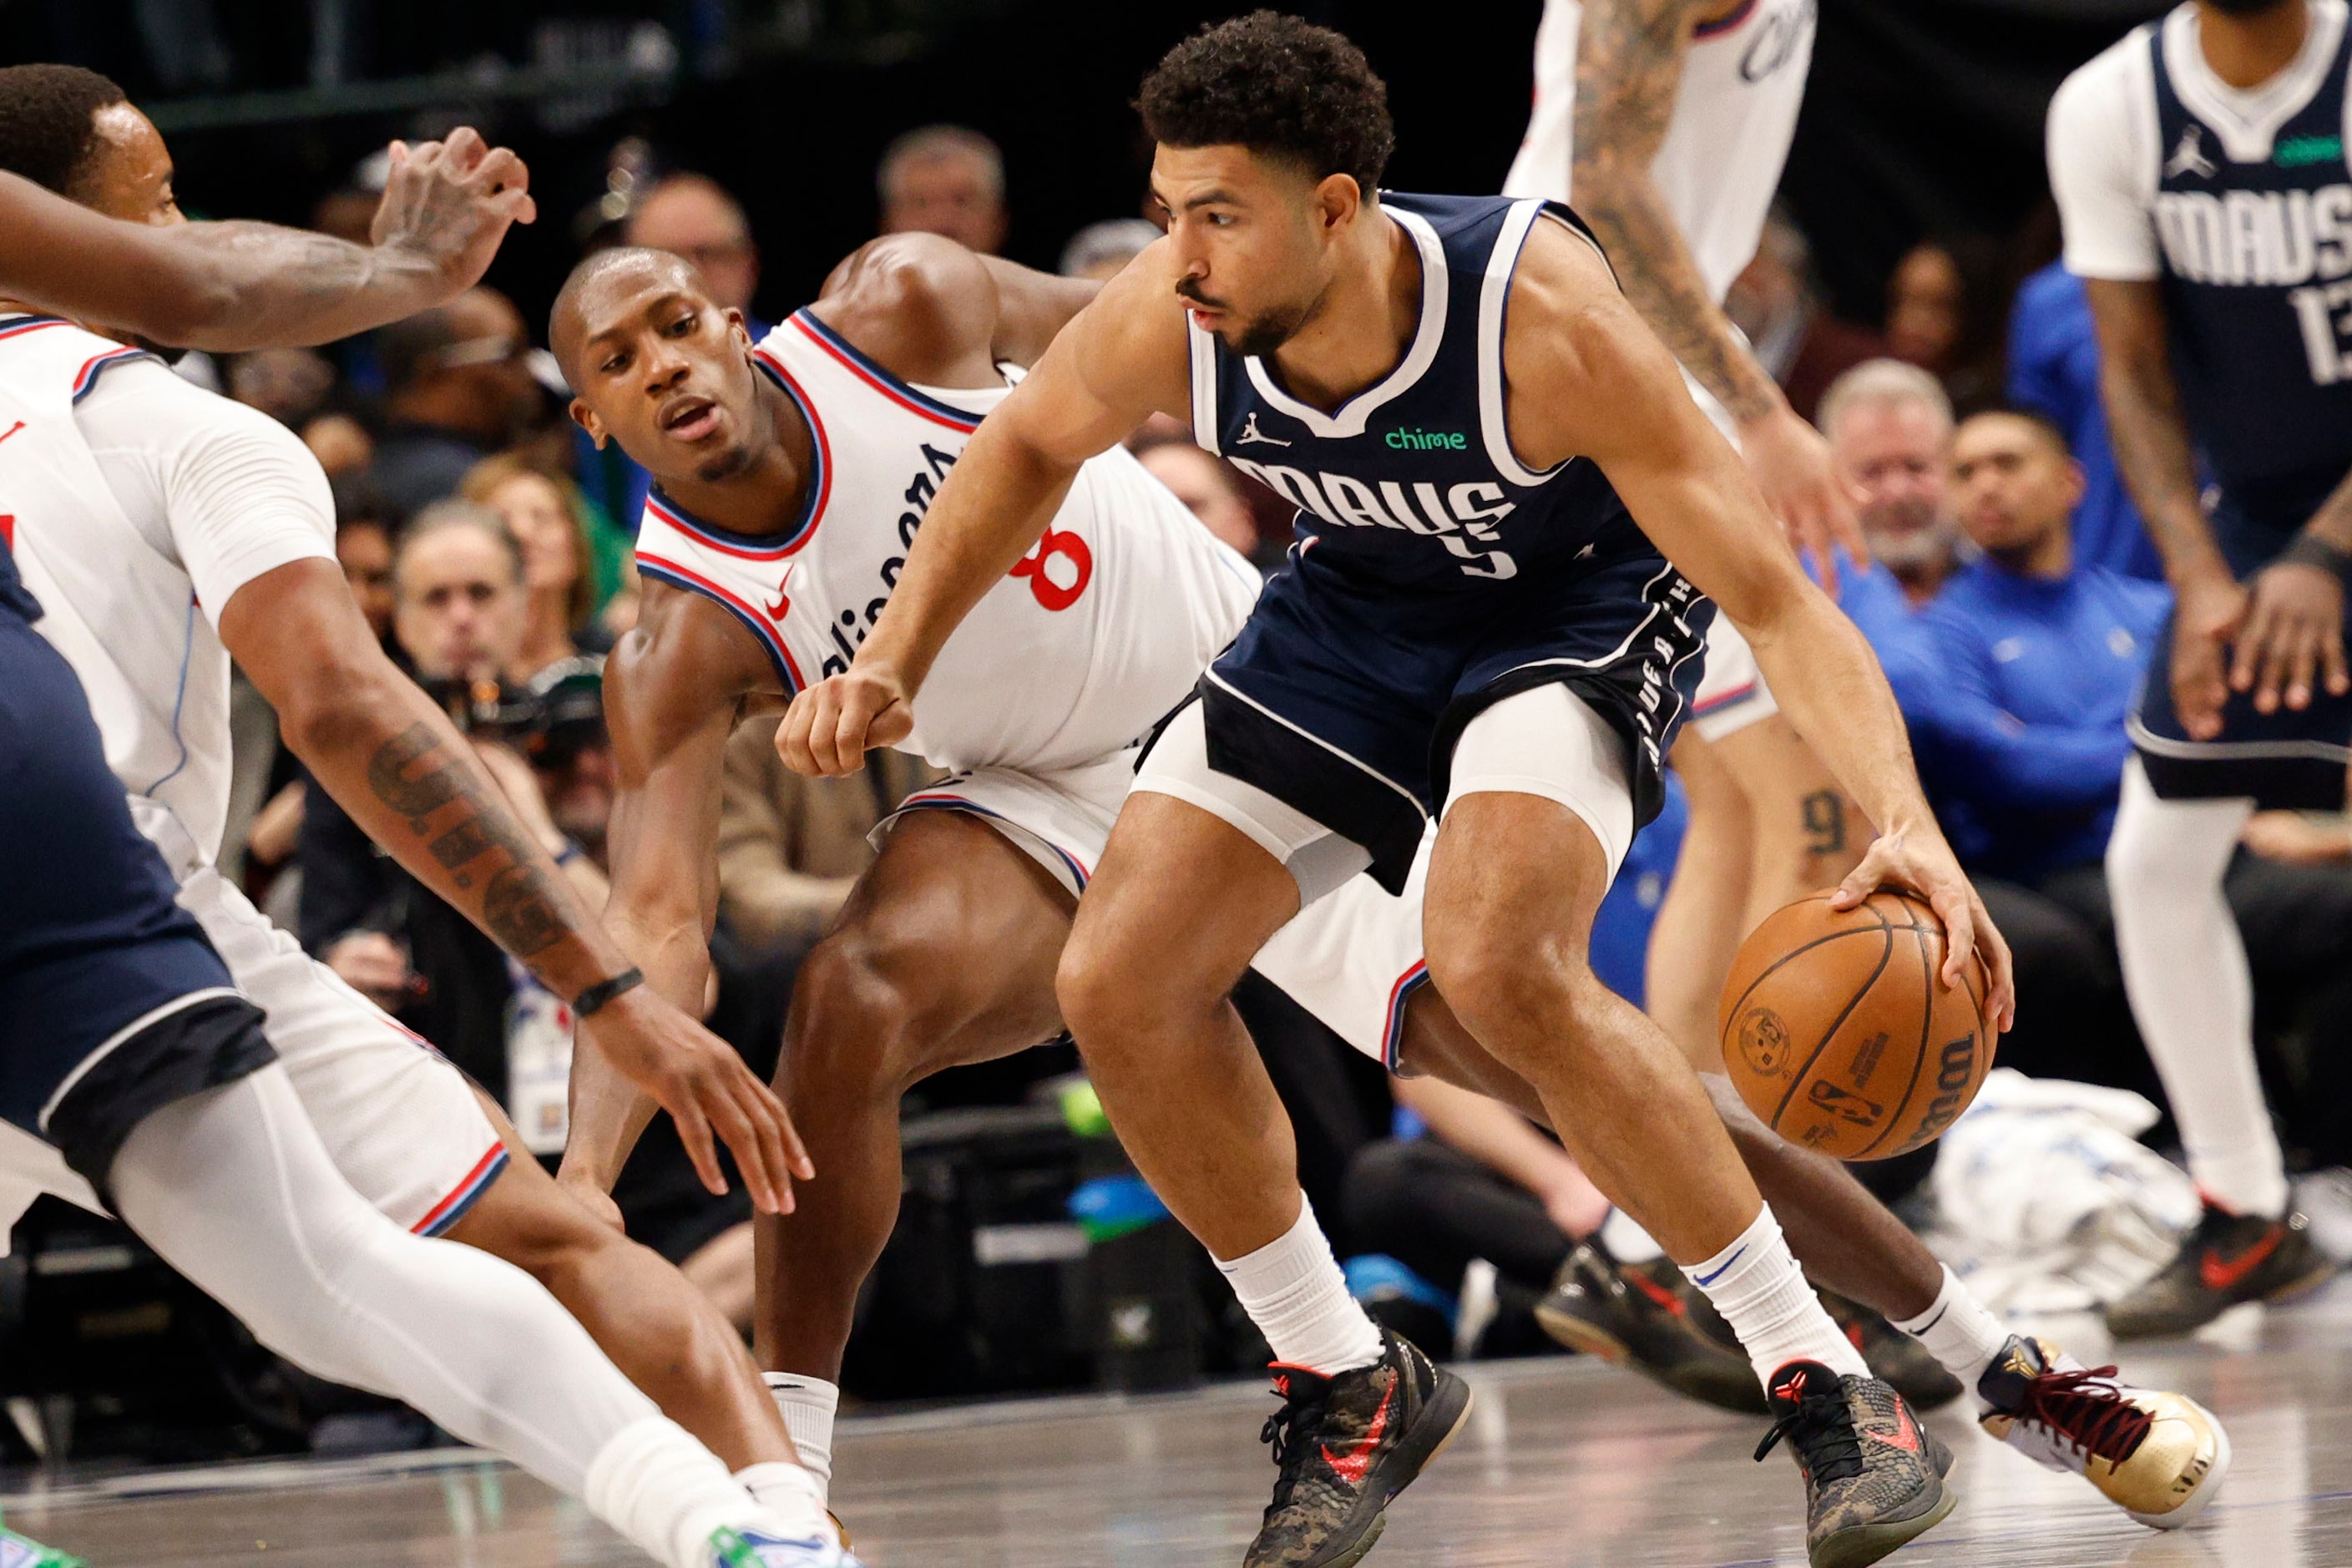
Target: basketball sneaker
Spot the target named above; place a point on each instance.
(2158, 1457)
(1346, 1444)
(1635, 1315)
(1874, 1476)
(23, 1551)
(2227, 1259)
(1894, 1355)
(758, 1548)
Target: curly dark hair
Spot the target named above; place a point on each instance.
(1281, 86)
(47, 122)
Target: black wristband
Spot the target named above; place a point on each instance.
(603, 991)
(2310, 550)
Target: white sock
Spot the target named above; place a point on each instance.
(1756, 1285)
(657, 1486)
(1293, 1291)
(1958, 1331)
(808, 1404)
(1627, 1242)
(2185, 968)
(793, 1495)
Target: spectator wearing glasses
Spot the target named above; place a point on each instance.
(456, 388)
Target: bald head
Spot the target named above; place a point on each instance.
(604, 276)
(657, 365)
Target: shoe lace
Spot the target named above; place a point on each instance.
(1820, 1427)
(2086, 1410)
(1292, 1432)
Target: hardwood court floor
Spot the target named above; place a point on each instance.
(1564, 1462)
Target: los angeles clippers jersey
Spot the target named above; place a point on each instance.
(1735, 112)
(131, 589)
(1092, 638)
(1413, 482)
(2256, 237)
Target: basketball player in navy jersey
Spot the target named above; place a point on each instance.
(2200, 166)
(1472, 618)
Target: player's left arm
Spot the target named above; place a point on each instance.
(237, 286)
(1629, 56)
(930, 309)
(1586, 377)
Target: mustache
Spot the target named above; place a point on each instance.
(1188, 289)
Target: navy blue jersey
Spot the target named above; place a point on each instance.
(1412, 483)
(2257, 287)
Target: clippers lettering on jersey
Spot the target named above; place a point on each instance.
(1054, 586)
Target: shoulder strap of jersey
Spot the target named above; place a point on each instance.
(1493, 297)
(1202, 346)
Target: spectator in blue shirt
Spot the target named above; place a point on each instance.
(2054, 370)
(1889, 425)
(2036, 652)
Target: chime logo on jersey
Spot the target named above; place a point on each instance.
(1461, 517)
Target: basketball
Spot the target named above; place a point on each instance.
(1839, 1033)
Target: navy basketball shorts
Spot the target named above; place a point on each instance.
(1344, 700)
(112, 1002)
(2290, 759)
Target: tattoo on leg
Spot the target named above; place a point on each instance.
(1824, 822)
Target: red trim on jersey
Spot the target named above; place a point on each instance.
(95, 366)
(1393, 1043)
(451, 1209)
(936, 413)
(748, 615)
(18, 328)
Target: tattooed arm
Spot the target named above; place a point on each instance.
(1629, 67)
(390, 758)
(234, 286)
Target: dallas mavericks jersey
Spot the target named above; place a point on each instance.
(1735, 112)
(2257, 286)
(1412, 483)
(1092, 638)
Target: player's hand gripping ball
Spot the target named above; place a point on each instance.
(1838, 1031)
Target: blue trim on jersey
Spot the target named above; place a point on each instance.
(14, 326)
(180, 701)
(87, 382)
(453, 1208)
(778, 654)
(763, 546)
(891, 383)
(959, 803)
(1393, 1043)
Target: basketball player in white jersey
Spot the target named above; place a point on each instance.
(162, 527)
(792, 476)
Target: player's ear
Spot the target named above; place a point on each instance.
(737, 332)
(586, 417)
(1337, 200)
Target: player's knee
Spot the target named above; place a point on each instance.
(1501, 983)
(864, 1018)
(1106, 999)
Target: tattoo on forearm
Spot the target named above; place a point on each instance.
(1629, 63)
(524, 906)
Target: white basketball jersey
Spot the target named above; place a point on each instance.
(119, 583)
(1735, 112)
(1092, 638)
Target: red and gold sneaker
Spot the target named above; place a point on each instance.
(2158, 1457)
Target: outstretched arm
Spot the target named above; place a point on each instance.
(235, 286)
(930, 311)
(1586, 376)
(1629, 65)
(376, 742)
(672, 691)
(1123, 357)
